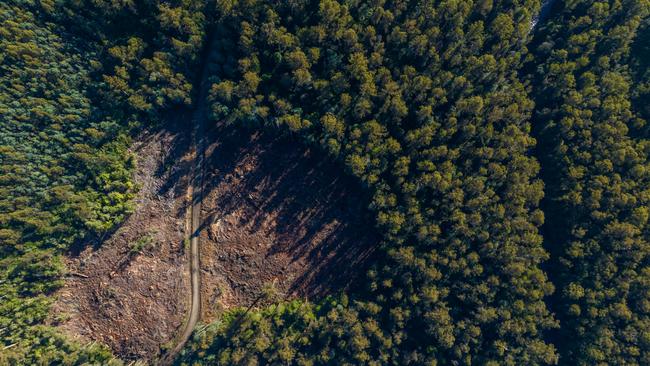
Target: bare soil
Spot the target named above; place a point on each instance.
(134, 303)
(276, 214)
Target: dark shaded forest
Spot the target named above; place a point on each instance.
(506, 157)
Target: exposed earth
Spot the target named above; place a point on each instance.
(274, 214)
(135, 302)
(277, 215)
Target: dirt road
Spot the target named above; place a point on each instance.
(199, 120)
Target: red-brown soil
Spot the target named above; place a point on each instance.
(134, 304)
(276, 214)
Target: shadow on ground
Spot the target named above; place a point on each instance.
(276, 212)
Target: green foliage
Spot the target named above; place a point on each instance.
(143, 243)
(149, 50)
(427, 104)
(596, 167)
(424, 105)
(296, 332)
(45, 346)
(640, 72)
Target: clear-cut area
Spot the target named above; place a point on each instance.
(277, 215)
(130, 291)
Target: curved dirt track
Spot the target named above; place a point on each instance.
(199, 118)
(197, 193)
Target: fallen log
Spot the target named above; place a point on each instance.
(77, 274)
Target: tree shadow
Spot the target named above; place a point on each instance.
(314, 212)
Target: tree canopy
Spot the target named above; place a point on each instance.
(506, 157)
(594, 149)
(422, 103)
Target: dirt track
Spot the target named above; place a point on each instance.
(199, 120)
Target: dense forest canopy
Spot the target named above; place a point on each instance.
(594, 147)
(423, 104)
(506, 158)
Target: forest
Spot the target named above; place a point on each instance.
(506, 155)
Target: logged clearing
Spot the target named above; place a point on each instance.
(277, 214)
(131, 291)
(274, 214)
